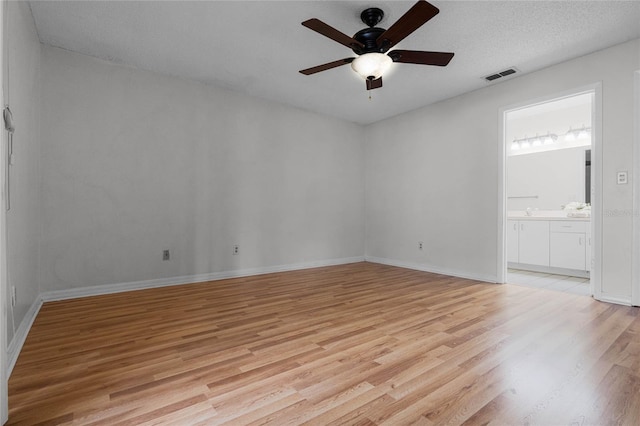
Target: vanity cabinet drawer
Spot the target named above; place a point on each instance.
(568, 226)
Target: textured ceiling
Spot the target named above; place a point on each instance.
(257, 47)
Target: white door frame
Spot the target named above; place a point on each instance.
(635, 253)
(596, 175)
(4, 379)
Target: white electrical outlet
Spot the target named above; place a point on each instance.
(236, 250)
(419, 245)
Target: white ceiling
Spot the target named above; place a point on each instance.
(257, 47)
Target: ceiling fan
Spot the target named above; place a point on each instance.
(373, 44)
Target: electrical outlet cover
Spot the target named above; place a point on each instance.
(622, 178)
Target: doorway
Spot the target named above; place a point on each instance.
(549, 200)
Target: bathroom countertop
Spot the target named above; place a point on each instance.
(545, 215)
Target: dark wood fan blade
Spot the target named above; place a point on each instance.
(415, 17)
(327, 66)
(374, 84)
(335, 35)
(423, 58)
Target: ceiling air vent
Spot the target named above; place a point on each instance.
(501, 74)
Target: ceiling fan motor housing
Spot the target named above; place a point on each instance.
(368, 36)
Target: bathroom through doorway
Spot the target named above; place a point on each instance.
(549, 192)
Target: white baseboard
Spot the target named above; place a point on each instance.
(432, 269)
(15, 346)
(188, 279)
(549, 270)
(612, 299)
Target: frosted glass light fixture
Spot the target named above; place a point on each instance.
(549, 139)
(584, 133)
(570, 136)
(371, 66)
(577, 134)
(536, 141)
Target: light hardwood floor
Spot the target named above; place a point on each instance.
(353, 344)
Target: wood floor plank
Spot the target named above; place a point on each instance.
(356, 344)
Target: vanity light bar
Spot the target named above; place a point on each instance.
(581, 133)
(548, 139)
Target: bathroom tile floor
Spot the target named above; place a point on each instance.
(561, 283)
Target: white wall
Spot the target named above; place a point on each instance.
(432, 174)
(23, 220)
(430, 179)
(135, 162)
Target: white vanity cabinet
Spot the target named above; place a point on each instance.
(513, 241)
(534, 242)
(549, 245)
(568, 241)
(528, 242)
